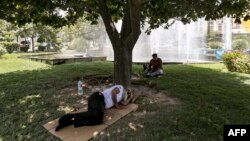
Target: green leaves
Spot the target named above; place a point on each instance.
(156, 13)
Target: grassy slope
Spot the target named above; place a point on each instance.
(209, 98)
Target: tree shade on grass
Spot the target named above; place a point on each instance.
(209, 97)
(134, 14)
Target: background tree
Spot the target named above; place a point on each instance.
(7, 36)
(29, 31)
(37, 30)
(133, 13)
(7, 31)
(80, 35)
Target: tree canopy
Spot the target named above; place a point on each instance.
(155, 12)
(37, 30)
(133, 13)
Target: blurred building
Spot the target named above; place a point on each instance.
(219, 26)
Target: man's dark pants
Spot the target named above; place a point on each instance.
(94, 115)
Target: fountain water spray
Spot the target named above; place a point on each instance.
(179, 43)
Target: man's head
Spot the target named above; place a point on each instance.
(116, 90)
(154, 56)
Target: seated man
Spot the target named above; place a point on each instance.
(154, 68)
(97, 102)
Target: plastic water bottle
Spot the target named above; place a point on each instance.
(79, 87)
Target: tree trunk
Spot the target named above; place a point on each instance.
(122, 64)
(123, 42)
(32, 42)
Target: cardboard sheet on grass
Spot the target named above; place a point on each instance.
(87, 132)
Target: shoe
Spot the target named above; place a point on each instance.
(65, 118)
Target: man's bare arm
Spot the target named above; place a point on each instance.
(114, 93)
(126, 102)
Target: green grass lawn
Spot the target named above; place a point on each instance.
(208, 98)
(10, 63)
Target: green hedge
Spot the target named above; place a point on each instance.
(237, 61)
(9, 46)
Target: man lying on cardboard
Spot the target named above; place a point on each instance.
(97, 102)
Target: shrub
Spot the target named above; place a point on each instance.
(2, 51)
(24, 49)
(240, 44)
(41, 48)
(243, 65)
(237, 61)
(214, 45)
(40, 40)
(10, 46)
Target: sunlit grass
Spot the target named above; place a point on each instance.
(10, 63)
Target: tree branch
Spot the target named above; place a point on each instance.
(109, 24)
(135, 17)
(126, 24)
